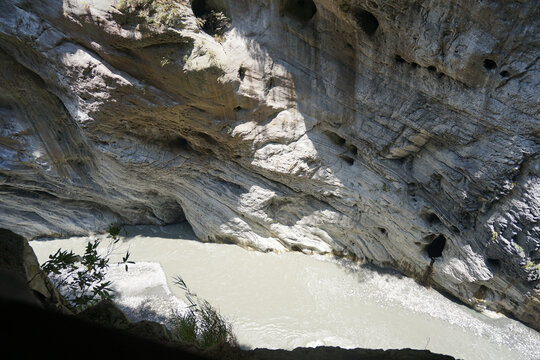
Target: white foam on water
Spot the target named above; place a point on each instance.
(291, 299)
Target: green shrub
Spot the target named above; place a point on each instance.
(214, 22)
(201, 325)
(532, 269)
(518, 249)
(185, 326)
(81, 278)
(153, 12)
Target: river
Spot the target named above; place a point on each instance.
(291, 299)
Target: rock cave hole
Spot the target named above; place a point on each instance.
(431, 218)
(336, 139)
(505, 73)
(302, 10)
(227, 186)
(399, 59)
(238, 108)
(494, 263)
(296, 248)
(482, 292)
(431, 68)
(436, 247)
(367, 21)
(489, 64)
(242, 72)
(211, 15)
(269, 85)
(382, 230)
(349, 160)
(179, 143)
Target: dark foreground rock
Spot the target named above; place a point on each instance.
(21, 278)
(323, 353)
(108, 314)
(30, 331)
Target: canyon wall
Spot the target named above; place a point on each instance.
(404, 133)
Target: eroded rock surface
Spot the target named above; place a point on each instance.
(402, 132)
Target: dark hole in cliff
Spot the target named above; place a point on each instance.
(431, 218)
(302, 10)
(179, 143)
(399, 59)
(436, 247)
(227, 186)
(431, 68)
(211, 16)
(348, 159)
(494, 263)
(353, 150)
(270, 83)
(382, 230)
(414, 65)
(366, 21)
(241, 73)
(489, 64)
(482, 292)
(295, 248)
(199, 7)
(505, 73)
(336, 139)
(238, 108)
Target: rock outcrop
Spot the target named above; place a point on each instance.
(21, 278)
(41, 331)
(404, 133)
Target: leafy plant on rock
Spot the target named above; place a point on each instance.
(153, 12)
(201, 325)
(214, 22)
(81, 278)
(532, 269)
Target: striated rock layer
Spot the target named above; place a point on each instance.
(405, 133)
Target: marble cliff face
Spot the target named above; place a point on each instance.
(395, 131)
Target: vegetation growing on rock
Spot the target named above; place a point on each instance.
(81, 278)
(154, 12)
(201, 325)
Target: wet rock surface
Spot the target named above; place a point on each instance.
(368, 128)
